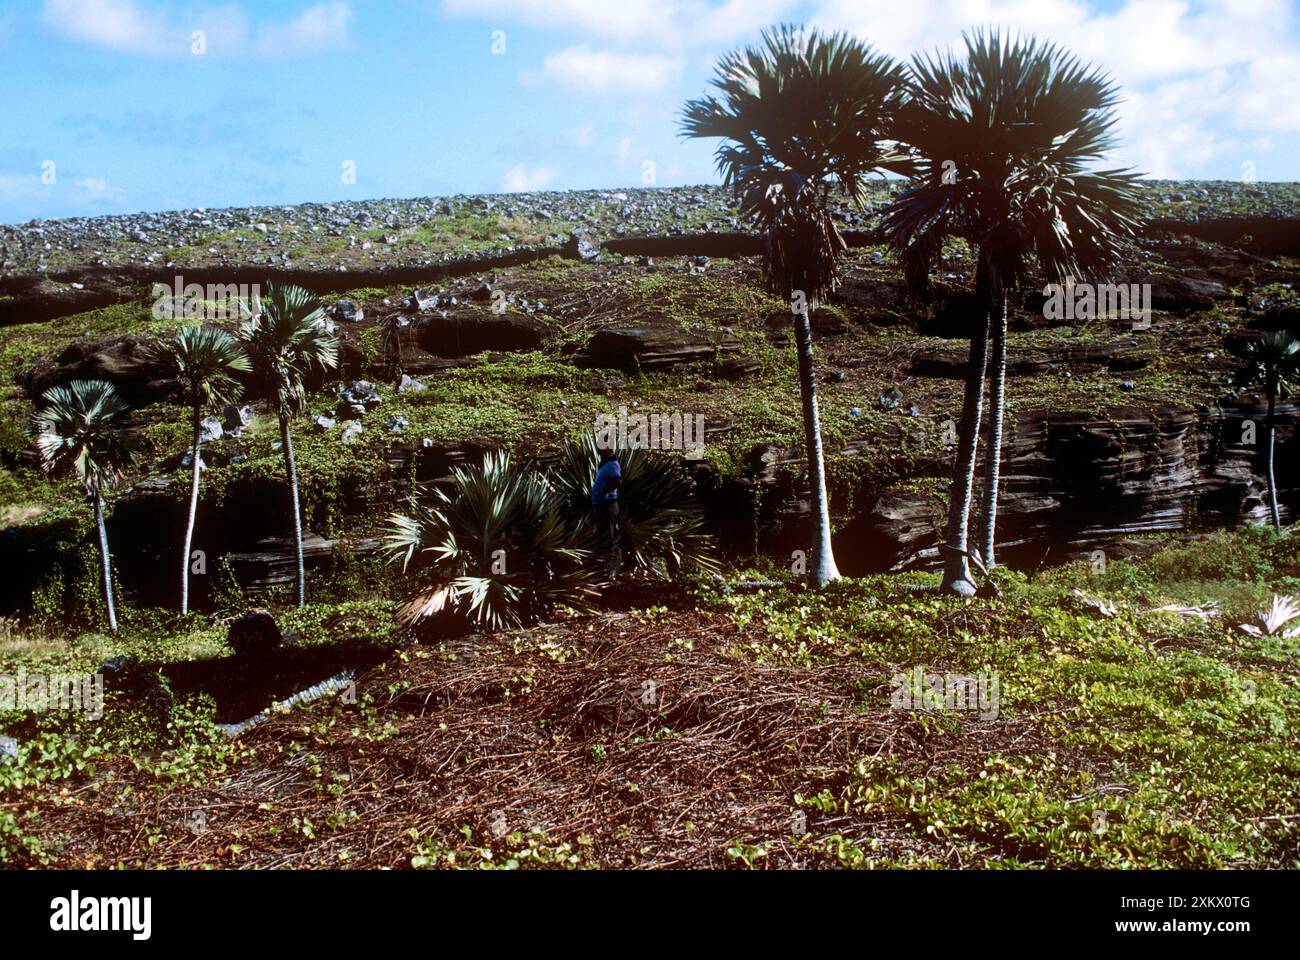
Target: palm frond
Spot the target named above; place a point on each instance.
(206, 360)
(798, 112)
(287, 340)
(81, 426)
(495, 550)
(662, 521)
(1021, 123)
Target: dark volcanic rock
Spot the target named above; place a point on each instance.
(1185, 293)
(254, 633)
(579, 246)
(654, 346)
(345, 311)
(950, 362)
(35, 299)
(882, 302)
(468, 333)
(126, 361)
(1073, 483)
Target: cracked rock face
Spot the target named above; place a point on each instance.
(1072, 483)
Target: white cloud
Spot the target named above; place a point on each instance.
(1201, 81)
(665, 23)
(604, 71)
(131, 26)
(315, 30)
(524, 179)
(116, 24)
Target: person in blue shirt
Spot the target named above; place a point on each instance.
(604, 506)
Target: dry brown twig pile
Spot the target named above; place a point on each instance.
(656, 753)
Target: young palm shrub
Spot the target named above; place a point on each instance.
(81, 428)
(206, 361)
(1267, 623)
(286, 340)
(496, 551)
(1001, 143)
(661, 524)
(798, 112)
(1273, 359)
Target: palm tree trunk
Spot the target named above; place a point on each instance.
(956, 568)
(1268, 455)
(997, 404)
(822, 570)
(105, 560)
(194, 509)
(286, 441)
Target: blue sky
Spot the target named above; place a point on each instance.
(432, 97)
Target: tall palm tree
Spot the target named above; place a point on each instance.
(206, 361)
(81, 427)
(1020, 123)
(1274, 358)
(287, 340)
(797, 112)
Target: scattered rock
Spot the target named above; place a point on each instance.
(357, 399)
(1093, 605)
(1173, 292)
(345, 311)
(580, 246)
(464, 333)
(235, 418)
(211, 430)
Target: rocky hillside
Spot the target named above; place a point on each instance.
(477, 322)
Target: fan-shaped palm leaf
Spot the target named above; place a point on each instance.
(496, 550)
(661, 522)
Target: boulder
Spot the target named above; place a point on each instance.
(462, 334)
(254, 633)
(345, 311)
(235, 418)
(126, 361)
(210, 430)
(1174, 292)
(882, 302)
(654, 346)
(356, 400)
(580, 246)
